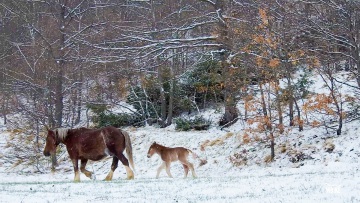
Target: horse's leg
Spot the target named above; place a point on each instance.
(161, 167)
(76, 170)
(125, 162)
(167, 165)
(83, 170)
(114, 165)
(186, 169)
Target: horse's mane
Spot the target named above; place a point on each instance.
(61, 133)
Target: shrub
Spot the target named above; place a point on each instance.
(104, 118)
(206, 81)
(198, 123)
(117, 120)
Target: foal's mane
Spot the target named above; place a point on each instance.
(61, 133)
(155, 144)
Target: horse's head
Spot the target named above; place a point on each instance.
(152, 150)
(51, 144)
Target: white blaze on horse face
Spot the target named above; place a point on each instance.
(152, 151)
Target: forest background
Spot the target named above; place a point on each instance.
(66, 61)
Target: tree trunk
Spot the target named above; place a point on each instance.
(263, 103)
(301, 124)
(272, 146)
(162, 99)
(171, 102)
(4, 108)
(231, 113)
(79, 98)
(278, 106)
(290, 95)
(59, 105)
(358, 66)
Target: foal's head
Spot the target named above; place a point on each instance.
(152, 149)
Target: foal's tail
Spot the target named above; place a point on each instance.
(194, 155)
(128, 148)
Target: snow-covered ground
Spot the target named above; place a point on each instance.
(334, 183)
(234, 172)
(332, 178)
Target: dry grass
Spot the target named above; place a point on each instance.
(218, 141)
(268, 159)
(329, 146)
(283, 148)
(238, 159)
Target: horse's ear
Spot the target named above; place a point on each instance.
(154, 142)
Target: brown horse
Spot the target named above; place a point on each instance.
(92, 144)
(169, 155)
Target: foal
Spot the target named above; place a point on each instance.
(169, 155)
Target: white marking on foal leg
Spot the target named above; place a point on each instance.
(191, 166)
(162, 166)
(168, 170)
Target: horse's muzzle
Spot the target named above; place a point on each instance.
(148, 156)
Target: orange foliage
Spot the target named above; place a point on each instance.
(258, 39)
(275, 62)
(298, 121)
(259, 61)
(246, 138)
(320, 102)
(263, 16)
(315, 123)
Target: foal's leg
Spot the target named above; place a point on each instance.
(189, 165)
(83, 170)
(76, 170)
(161, 167)
(167, 164)
(186, 170)
(114, 165)
(125, 162)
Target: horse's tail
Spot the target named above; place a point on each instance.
(128, 148)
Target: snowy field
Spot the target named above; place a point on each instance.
(218, 181)
(252, 186)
